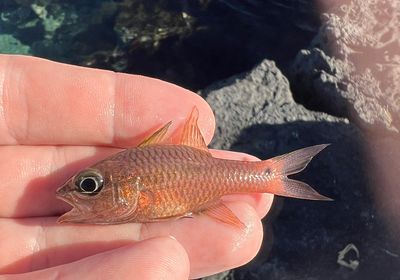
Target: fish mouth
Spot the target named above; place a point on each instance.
(65, 195)
(76, 214)
(72, 216)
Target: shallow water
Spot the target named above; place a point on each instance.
(191, 43)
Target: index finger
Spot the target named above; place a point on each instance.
(44, 102)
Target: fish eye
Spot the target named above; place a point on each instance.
(89, 182)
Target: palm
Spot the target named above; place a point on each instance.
(56, 119)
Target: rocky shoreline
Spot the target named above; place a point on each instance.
(348, 79)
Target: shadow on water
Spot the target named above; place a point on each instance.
(307, 235)
(230, 37)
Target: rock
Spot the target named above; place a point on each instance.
(261, 97)
(151, 24)
(352, 67)
(226, 275)
(10, 45)
(256, 114)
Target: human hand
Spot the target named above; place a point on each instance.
(56, 119)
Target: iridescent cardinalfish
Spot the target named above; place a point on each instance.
(156, 181)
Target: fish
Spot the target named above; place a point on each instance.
(158, 181)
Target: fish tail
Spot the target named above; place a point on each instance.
(280, 167)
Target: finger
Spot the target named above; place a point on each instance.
(157, 258)
(31, 174)
(43, 102)
(211, 246)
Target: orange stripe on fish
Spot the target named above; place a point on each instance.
(157, 181)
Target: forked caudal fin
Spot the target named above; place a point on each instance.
(282, 166)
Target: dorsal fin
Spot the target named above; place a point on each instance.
(191, 135)
(156, 137)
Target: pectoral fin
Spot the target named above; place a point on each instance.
(223, 214)
(191, 135)
(157, 137)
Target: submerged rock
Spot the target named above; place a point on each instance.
(190, 43)
(10, 45)
(140, 22)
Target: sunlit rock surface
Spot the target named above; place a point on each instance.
(352, 67)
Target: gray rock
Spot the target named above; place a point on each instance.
(352, 67)
(256, 114)
(261, 97)
(226, 275)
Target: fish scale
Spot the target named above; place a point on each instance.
(173, 160)
(157, 181)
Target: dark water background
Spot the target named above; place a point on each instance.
(190, 43)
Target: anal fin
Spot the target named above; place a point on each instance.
(223, 214)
